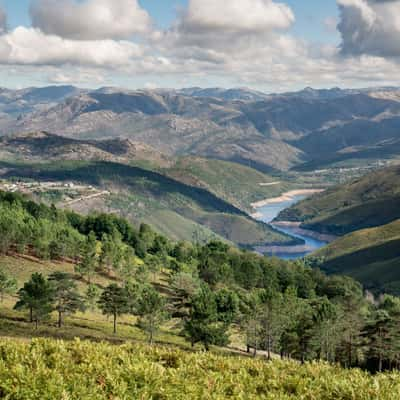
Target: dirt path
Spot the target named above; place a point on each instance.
(89, 197)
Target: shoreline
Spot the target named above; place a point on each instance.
(287, 196)
(296, 228)
(277, 250)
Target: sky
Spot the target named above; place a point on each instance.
(268, 45)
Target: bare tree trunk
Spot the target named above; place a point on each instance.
(115, 323)
(151, 337)
(60, 319)
(269, 343)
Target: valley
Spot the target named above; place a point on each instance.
(199, 200)
(214, 221)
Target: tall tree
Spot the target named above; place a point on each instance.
(210, 317)
(250, 310)
(150, 307)
(272, 319)
(66, 296)
(114, 301)
(89, 261)
(111, 251)
(37, 295)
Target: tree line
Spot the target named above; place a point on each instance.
(213, 290)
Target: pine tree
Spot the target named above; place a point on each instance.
(150, 306)
(37, 295)
(67, 299)
(210, 317)
(114, 301)
(89, 260)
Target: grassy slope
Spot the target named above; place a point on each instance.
(235, 183)
(91, 324)
(49, 369)
(146, 192)
(372, 256)
(366, 202)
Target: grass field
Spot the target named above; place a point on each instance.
(91, 324)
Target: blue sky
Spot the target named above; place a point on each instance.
(270, 45)
(310, 15)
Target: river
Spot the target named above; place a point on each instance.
(268, 212)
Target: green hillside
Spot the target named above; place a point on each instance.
(366, 202)
(237, 184)
(202, 309)
(140, 194)
(372, 256)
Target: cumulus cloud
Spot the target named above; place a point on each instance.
(31, 46)
(370, 27)
(90, 19)
(238, 16)
(237, 42)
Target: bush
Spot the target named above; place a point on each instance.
(48, 369)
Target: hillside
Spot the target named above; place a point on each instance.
(237, 184)
(44, 146)
(372, 256)
(177, 209)
(146, 185)
(269, 132)
(366, 202)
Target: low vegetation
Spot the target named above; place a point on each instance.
(49, 369)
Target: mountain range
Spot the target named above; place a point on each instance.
(304, 130)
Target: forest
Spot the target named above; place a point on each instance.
(279, 309)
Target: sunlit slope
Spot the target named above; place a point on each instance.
(49, 369)
(371, 256)
(369, 201)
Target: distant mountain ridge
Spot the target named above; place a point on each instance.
(41, 146)
(306, 129)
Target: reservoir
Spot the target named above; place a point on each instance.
(268, 212)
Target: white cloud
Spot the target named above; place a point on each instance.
(90, 19)
(370, 27)
(30, 46)
(233, 43)
(238, 16)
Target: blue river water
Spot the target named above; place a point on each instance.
(270, 211)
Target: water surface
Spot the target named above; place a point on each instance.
(271, 211)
